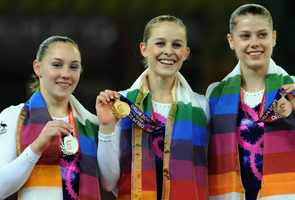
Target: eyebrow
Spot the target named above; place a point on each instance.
(177, 40)
(63, 60)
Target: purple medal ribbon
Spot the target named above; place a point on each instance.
(141, 115)
(267, 117)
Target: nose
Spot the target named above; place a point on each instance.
(168, 50)
(254, 42)
(65, 73)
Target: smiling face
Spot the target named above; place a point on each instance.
(59, 71)
(253, 39)
(165, 49)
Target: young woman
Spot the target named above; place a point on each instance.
(169, 161)
(251, 155)
(48, 145)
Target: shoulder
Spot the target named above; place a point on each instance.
(211, 88)
(12, 111)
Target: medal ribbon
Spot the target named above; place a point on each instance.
(266, 116)
(142, 116)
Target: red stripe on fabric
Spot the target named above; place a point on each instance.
(186, 170)
(86, 197)
(188, 190)
(279, 141)
(124, 184)
(275, 163)
(221, 164)
(27, 137)
(222, 143)
(148, 178)
(89, 191)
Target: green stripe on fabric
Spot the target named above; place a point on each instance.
(274, 81)
(184, 111)
(90, 129)
(229, 88)
(132, 96)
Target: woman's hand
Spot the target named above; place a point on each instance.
(104, 103)
(289, 88)
(50, 133)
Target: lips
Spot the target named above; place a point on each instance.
(255, 53)
(167, 61)
(64, 84)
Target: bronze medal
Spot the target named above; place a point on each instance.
(120, 109)
(69, 145)
(283, 107)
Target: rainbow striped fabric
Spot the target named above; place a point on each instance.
(278, 181)
(45, 180)
(185, 161)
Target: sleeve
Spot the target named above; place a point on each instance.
(14, 171)
(108, 153)
(108, 157)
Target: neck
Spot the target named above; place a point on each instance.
(253, 80)
(57, 108)
(160, 88)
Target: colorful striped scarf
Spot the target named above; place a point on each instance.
(278, 181)
(45, 180)
(184, 162)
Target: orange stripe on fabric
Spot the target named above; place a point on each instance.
(44, 175)
(278, 184)
(225, 183)
(277, 163)
(188, 190)
(223, 163)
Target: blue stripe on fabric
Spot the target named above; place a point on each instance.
(181, 131)
(229, 104)
(87, 145)
(269, 98)
(38, 101)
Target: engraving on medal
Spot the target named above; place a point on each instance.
(69, 145)
(283, 107)
(120, 109)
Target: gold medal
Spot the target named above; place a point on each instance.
(283, 107)
(69, 145)
(120, 109)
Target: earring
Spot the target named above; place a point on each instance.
(40, 76)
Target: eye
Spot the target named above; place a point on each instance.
(56, 64)
(75, 67)
(177, 45)
(262, 35)
(160, 43)
(245, 36)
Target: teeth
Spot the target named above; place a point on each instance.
(255, 53)
(63, 84)
(168, 62)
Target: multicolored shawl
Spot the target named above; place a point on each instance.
(45, 180)
(185, 155)
(278, 181)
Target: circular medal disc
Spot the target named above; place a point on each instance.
(69, 145)
(283, 107)
(120, 109)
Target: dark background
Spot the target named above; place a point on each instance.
(109, 33)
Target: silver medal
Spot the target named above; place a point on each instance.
(69, 145)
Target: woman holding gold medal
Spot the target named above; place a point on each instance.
(49, 147)
(251, 154)
(158, 149)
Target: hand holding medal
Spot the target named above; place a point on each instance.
(120, 109)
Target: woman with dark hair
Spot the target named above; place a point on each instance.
(48, 149)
